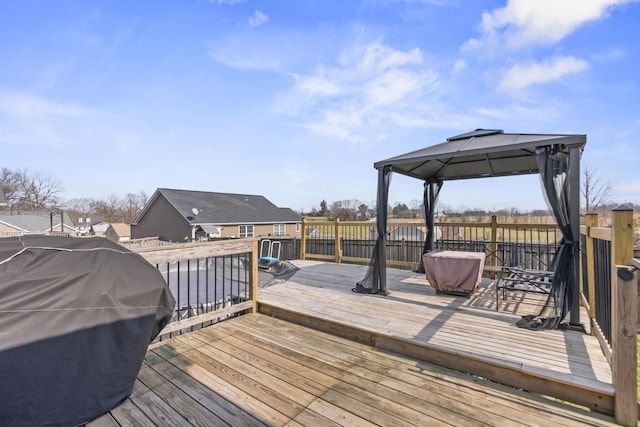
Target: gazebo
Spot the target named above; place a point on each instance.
(487, 153)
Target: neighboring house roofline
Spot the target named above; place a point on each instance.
(246, 223)
(13, 226)
(35, 222)
(146, 207)
(201, 201)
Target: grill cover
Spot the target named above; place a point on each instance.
(76, 317)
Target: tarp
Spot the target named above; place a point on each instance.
(76, 317)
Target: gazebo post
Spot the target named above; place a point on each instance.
(574, 220)
(382, 227)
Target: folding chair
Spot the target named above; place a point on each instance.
(269, 254)
(513, 278)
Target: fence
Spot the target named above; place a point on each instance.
(527, 245)
(145, 242)
(610, 294)
(210, 281)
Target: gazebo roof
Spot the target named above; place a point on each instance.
(478, 154)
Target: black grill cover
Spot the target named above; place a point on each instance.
(76, 317)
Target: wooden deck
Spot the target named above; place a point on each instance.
(381, 364)
(469, 335)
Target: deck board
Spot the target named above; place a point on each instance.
(470, 328)
(259, 370)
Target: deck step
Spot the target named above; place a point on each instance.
(596, 395)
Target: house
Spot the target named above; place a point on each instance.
(20, 223)
(409, 233)
(106, 230)
(84, 222)
(183, 215)
(122, 230)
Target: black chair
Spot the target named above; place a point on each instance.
(513, 277)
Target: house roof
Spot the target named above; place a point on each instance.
(477, 154)
(221, 208)
(122, 229)
(34, 222)
(94, 218)
(102, 227)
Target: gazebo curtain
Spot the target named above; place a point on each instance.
(554, 166)
(374, 282)
(430, 200)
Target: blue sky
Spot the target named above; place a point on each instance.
(295, 100)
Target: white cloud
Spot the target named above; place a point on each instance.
(613, 54)
(371, 87)
(459, 66)
(377, 57)
(28, 106)
(540, 22)
(396, 85)
(520, 113)
(258, 18)
(522, 75)
(30, 119)
(240, 53)
(318, 86)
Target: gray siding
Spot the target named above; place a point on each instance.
(163, 221)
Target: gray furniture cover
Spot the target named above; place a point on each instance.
(76, 317)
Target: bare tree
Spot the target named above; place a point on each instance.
(33, 191)
(346, 210)
(417, 208)
(594, 191)
(81, 205)
(133, 204)
(110, 209)
(41, 190)
(10, 185)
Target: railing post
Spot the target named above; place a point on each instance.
(303, 239)
(621, 254)
(624, 353)
(493, 258)
(253, 277)
(591, 220)
(338, 244)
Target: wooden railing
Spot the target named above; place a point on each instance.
(609, 285)
(210, 281)
(532, 245)
(145, 242)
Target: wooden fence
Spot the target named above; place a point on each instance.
(609, 292)
(210, 281)
(527, 245)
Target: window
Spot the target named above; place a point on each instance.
(279, 230)
(297, 227)
(245, 231)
